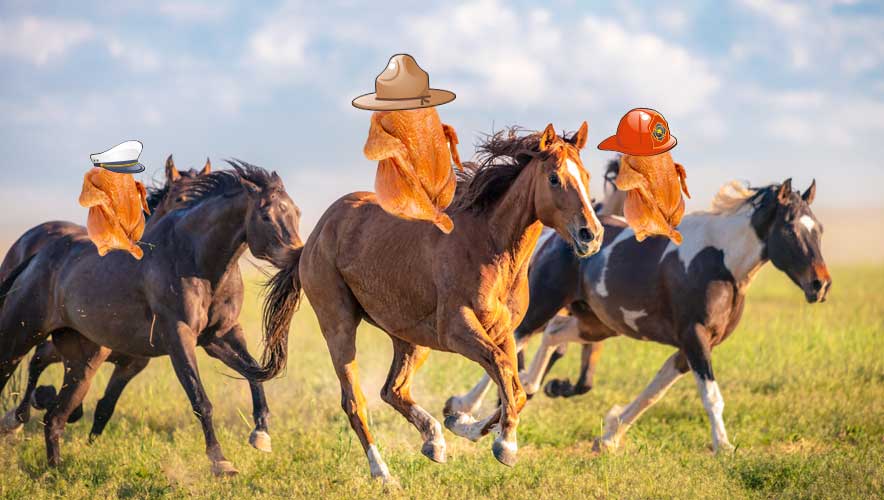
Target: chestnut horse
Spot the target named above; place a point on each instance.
(690, 297)
(463, 292)
(181, 295)
(160, 201)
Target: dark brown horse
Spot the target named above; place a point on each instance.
(174, 299)
(690, 297)
(160, 200)
(463, 292)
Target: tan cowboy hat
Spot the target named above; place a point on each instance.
(402, 85)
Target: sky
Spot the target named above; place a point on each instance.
(754, 90)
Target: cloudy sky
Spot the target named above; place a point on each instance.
(755, 90)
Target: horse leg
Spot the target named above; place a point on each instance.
(407, 359)
(82, 358)
(468, 337)
(44, 355)
(698, 352)
(469, 403)
(231, 349)
(560, 331)
(17, 337)
(125, 370)
(589, 358)
(180, 343)
(618, 420)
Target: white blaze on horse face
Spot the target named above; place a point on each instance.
(630, 317)
(574, 171)
(808, 222)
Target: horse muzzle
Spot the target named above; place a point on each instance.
(585, 241)
(817, 290)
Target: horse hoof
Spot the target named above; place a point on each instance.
(224, 468)
(463, 425)
(504, 452)
(44, 397)
(260, 441)
(601, 445)
(435, 451)
(724, 448)
(453, 406)
(10, 423)
(390, 482)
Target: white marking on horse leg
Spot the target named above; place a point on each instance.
(630, 317)
(618, 421)
(376, 464)
(466, 426)
(559, 331)
(470, 402)
(807, 221)
(714, 405)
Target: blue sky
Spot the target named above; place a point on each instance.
(755, 90)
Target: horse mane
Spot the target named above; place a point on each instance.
(501, 157)
(227, 182)
(735, 195)
(155, 196)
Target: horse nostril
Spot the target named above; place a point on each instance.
(585, 235)
(817, 285)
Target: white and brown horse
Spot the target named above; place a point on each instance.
(690, 296)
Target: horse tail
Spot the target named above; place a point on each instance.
(280, 303)
(6, 284)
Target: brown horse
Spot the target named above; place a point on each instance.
(463, 292)
(160, 201)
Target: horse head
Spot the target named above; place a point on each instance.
(561, 191)
(272, 218)
(793, 237)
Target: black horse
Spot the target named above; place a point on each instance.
(187, 291)
(160, 201)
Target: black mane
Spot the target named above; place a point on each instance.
(501, 158)
(226, 182)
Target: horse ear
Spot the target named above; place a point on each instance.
(548, 137)
(579, 139)
(207, 169)
(250, 187)
(810, 194)
(172, 173)
(275, 179)
(785, 192)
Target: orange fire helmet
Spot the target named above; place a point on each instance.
(641, 132)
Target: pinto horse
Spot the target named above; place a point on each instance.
(463, 292)
(177, 297)
(160, 201)
(690, 296)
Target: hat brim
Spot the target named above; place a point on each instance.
(131, 169)
(612, 144)
(372, 103)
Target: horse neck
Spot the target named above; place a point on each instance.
(217, 232)
(732, 233)
(513, 222)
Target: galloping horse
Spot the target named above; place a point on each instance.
(160, 201)
(179, 296)
(463, 292)
(690, 297)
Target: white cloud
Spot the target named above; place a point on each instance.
(280, 45)
(197, 12)
(137, 58)
(531, 60)
(39, 40)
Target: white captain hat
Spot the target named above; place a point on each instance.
(122, 158)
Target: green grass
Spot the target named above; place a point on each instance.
(803, 386)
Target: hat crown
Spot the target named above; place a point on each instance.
(643, 128)
(402, 79)
(126, 151)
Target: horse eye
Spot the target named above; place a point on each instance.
(554, 179)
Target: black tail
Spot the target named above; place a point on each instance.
(6, 287)
(280, 304)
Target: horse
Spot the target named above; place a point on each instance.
(690, 296)
(462, 292)
(160, 200)
(187, 291)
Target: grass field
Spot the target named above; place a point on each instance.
(803, 386)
